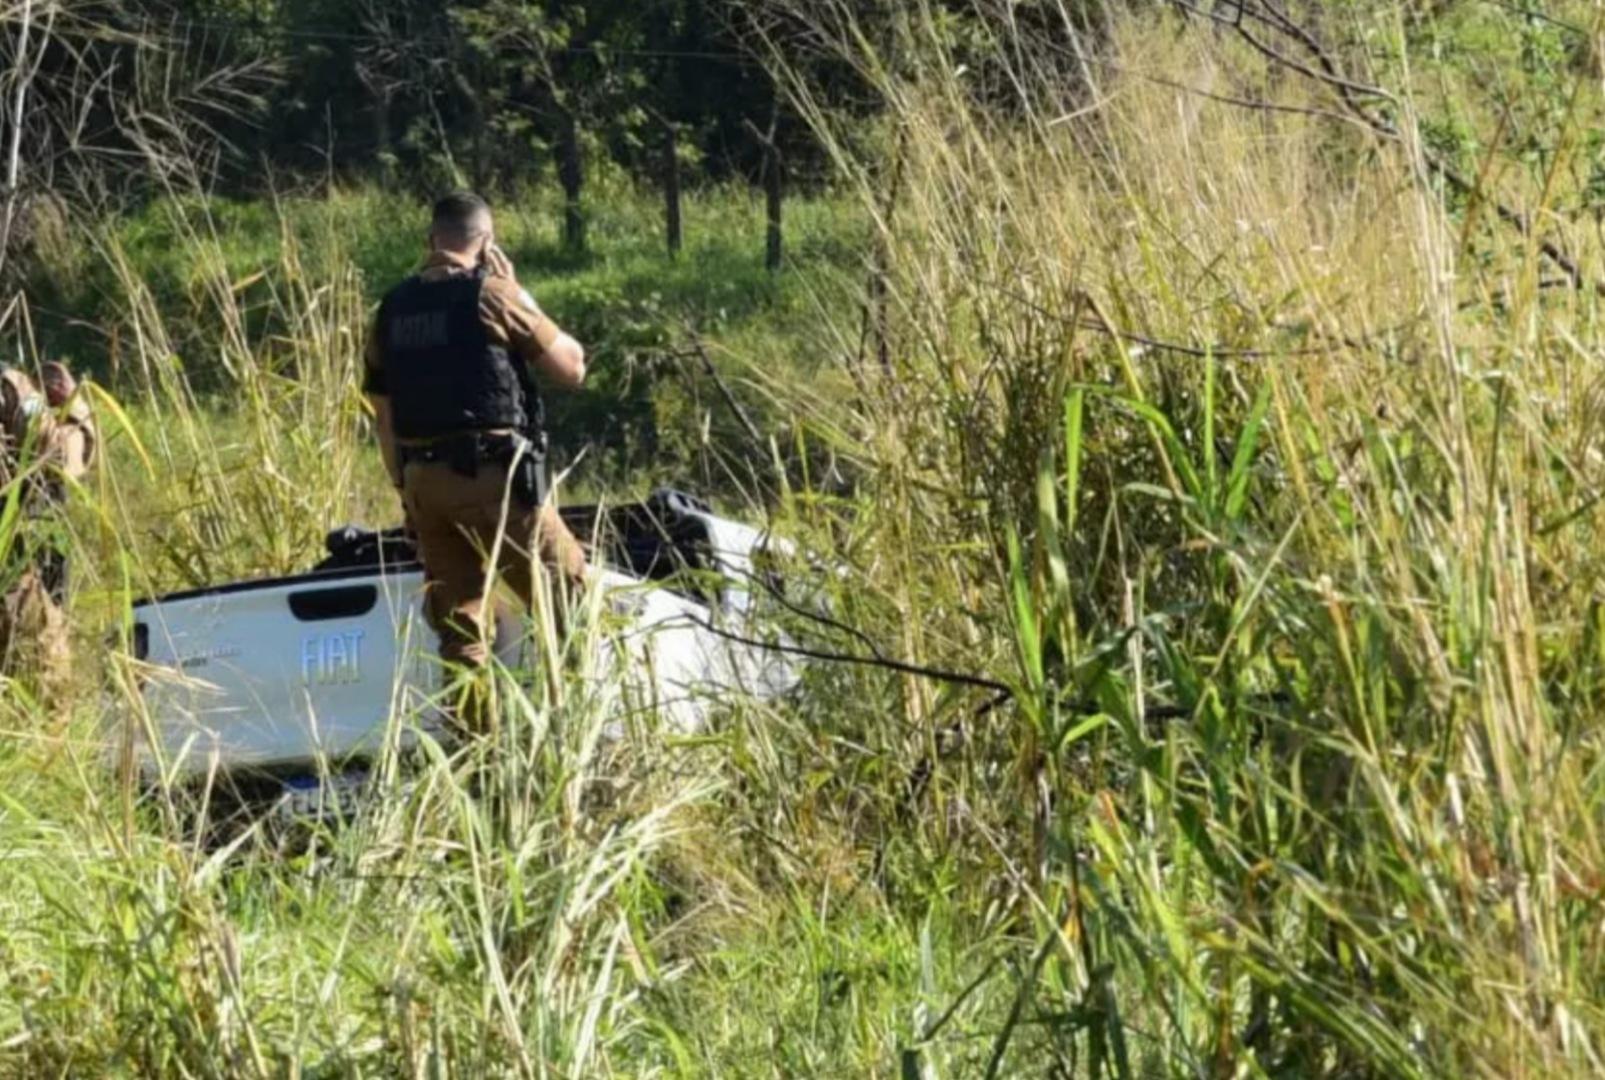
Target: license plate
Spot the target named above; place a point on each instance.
(320, 798)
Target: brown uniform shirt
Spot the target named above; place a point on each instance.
(512, 318)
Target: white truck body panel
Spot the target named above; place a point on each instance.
(292, 671)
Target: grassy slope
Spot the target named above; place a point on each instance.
(633, 305)
(1301, 772)
(197, 312)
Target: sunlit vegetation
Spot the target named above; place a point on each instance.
(1203, 486)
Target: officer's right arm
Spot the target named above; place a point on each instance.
(511, 312)
(373, 384)
(566, 356)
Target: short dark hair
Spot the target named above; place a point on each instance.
(456, 211)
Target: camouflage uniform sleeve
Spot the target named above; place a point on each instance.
(21, 407)
(20, 401)
(9, 414)
(68, 443)
(513, 320)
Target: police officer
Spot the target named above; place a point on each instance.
(45, 439)
(451, 368)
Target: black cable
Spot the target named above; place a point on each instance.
(958, 678)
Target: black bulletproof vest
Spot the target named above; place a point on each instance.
(442, 372)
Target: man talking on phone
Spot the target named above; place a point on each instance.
(451, 370)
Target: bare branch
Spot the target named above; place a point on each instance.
(701, 352)
(1098, 323)
(1332, 79)
(1328, 73)
(1260, 104)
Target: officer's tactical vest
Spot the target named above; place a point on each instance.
(442, 372)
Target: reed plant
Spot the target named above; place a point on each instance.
(1213, 430)
(1195, 528)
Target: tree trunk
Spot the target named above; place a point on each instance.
(774, 190)
(21, 76)
(571, 174)
(877, 320)
(671, 186)
(383, 151)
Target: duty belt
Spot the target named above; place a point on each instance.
(465, 452)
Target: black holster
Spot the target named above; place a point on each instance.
(529, 477)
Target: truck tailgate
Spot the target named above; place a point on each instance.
(286, 670)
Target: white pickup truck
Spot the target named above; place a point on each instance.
(287, 687)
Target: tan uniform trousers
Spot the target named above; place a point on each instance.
(456, 519)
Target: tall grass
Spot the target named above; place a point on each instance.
(1241, 714)
(478, 919)
(1299, 772)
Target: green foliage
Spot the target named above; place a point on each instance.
(495, 94)
(633, 305)
(1215, 550)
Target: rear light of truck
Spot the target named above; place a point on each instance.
(137, 644)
